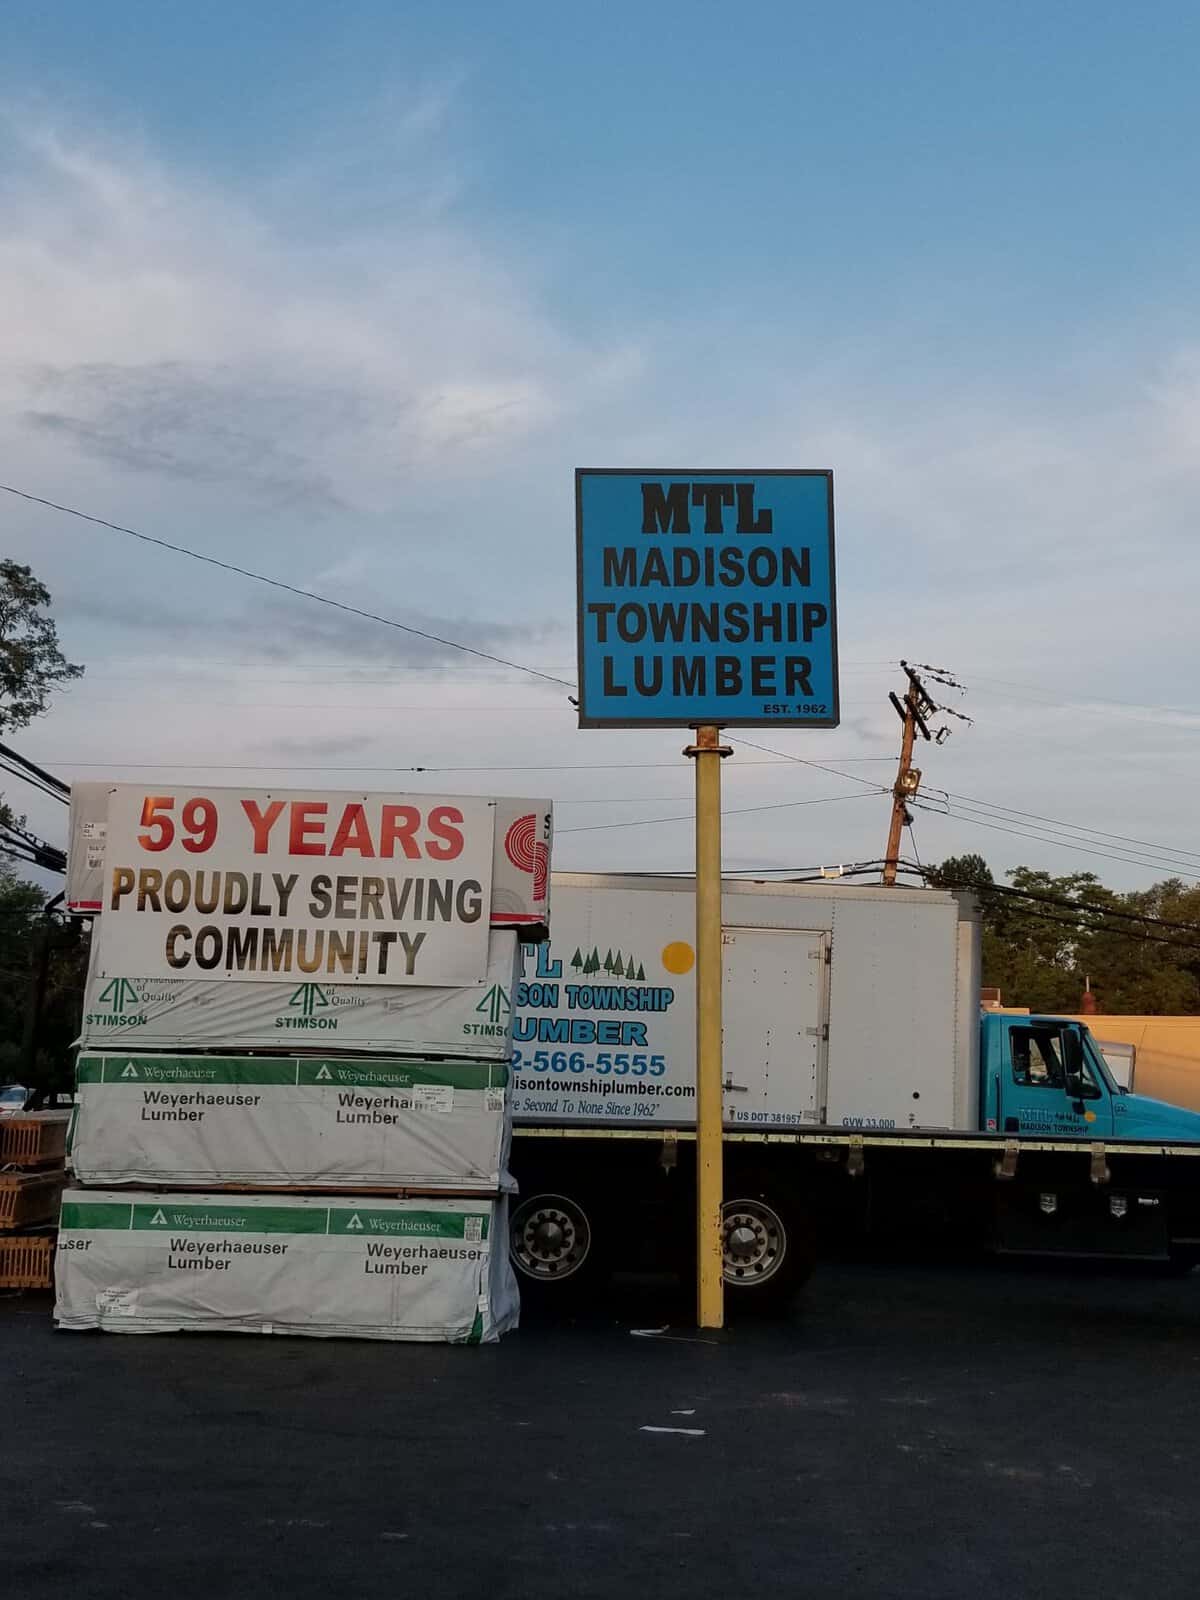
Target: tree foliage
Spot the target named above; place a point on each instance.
(31, 664)
(23, 927)
(1042, 946)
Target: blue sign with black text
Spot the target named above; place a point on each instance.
(706, 597)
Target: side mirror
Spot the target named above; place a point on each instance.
(1077, 1082)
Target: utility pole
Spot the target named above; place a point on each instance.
(912, 711)
(708, 752)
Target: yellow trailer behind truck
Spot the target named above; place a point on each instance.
(1166, 1054)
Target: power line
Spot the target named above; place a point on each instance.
(20, 844)
(912, 839)
(16, 766)
(735, 811)
(1116, 933)
(1163, 860)
(1040, 838)
(639, 800)
(1077, 845)
(183, 665)
(1090, 703)
(821, 873)
(29, 860)
(262, 766)
(803, 761)
(265, 671)
(506, 706)
(31, 766)
(1054, 822)
(14, 772)
(825, 872)
(34, 783)
(288, 588)
(438, 707)
(1076, 924)
(1043, 897)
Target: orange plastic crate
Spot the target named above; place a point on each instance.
(27, 1261)
(34, 1139)
(27, 1198)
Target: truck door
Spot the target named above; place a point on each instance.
(1047, 1085)
(774, 1014)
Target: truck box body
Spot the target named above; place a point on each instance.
(856, 1007)
(305, 1122)
(213, 1014)
(433, 1269)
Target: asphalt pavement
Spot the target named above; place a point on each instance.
(911, 1430)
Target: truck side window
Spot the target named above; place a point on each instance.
(1037, 1058)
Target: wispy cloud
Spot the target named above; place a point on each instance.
(277, 630)
(197, 334)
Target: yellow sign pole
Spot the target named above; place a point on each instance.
(707, 752)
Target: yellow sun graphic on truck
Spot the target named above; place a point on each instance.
(678, 957)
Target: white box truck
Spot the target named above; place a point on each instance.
(861, 1084)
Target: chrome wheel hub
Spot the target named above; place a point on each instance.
(754, 1241)
(550, 1237)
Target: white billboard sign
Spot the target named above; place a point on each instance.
(520, 858)
(271, 885)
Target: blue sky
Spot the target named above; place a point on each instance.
(1020, 162)
(345, 292)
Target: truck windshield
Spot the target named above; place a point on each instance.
(1097, 1065)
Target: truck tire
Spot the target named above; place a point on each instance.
(768, 1249)
(554, 1247)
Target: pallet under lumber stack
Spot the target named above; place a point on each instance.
(32, 1178)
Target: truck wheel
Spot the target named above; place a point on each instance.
(553, 1247)
(767, 1250)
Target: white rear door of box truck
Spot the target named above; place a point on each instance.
(774, 1026)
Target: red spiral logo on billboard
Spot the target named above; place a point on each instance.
(527, 852)
(520, 842)
(541, 871)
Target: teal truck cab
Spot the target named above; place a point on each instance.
(1046, 1076)
(1045, 1086)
